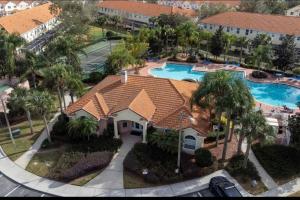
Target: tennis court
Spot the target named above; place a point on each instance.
(96, 56)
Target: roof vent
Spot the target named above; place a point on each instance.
(124, 76)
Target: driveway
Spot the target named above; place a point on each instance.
(112, 176)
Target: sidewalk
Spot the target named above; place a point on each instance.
(265, 177)
(283, 190)
(112, 176)
(18, 174)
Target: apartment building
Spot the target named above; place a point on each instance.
(196, 4)
(295, 11)
(9, 7)
(252, 24)
(30, 23)
(137, 14)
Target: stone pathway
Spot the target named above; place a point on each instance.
(112, 176)
(265, 177)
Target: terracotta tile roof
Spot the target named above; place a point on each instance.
(262, 22)
(146, 9)
(228, 2)
(26, 20)
(158, 100)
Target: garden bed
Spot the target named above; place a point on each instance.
(281, 162)
(244, 176)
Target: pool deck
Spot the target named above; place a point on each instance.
(214, 67)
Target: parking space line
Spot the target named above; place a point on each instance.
(42, 195)
(12, 190)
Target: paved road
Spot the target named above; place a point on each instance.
(9, 188)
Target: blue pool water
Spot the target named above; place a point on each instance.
(268, 93)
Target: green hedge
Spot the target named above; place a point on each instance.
(203, 157)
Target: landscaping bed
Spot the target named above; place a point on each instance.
(281, 162)
(161, 166)
(244, 176)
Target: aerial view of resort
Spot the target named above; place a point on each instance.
(150, 98)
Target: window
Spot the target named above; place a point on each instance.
(137, 126)
(228, 29)
(247, 32)
(124, 124)
(238, 30)
(292, 13)
(190, 142)
(210, 27)
(280, 37)
(205, 26)
(298, 38)
(251, 31)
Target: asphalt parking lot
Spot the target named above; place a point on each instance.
(201, 193)
(9, 188)
(96, 56)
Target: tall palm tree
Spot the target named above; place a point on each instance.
(74, 85)
(66, 48)
(19, 99)
(205, 38)
(82, 127)
(262, 54)
(42, 103)
(242, 42)
(237, 99)
(55, 78)
(187, 35)
(229, 41)
(255, 127)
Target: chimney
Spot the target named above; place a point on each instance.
(124, 76)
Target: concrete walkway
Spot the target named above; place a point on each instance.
(283, 190)
(112, 176)
(27, 156)
(265, 177)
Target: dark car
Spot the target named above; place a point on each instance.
(221, 187)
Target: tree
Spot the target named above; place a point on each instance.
(172, 20)
(101, 21)
(254, 127)
(294, 127)
(285, 54)
(19, 99)
(210, 9)
(8, 52)
(74, 85)
(115, 19)
(229, 41)
(75, 16)
(262, 54)
(242, 42)
(205, 38)
(187, 36)
(260, 39)
(82, 127)
(42, 103)
(65, 48)
(217, 42)
(119, 58)
(55, 78)
(264, 6)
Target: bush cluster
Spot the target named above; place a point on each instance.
(94, 77)
(203, 157)
(92, 162)
(296, 70)
(235, 168)
(259, 74)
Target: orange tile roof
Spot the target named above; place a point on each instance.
(26, 20)
(262, 22)
(147, 9)
(158, 100)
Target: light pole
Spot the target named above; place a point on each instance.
(7, 122)
(182, 116)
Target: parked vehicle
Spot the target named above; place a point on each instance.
(221, 187)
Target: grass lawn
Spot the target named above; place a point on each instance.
(23, 141)
(132, 181)
(281, 162)
(95, 33)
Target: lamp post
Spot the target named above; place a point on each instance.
(182, 116)
(7, 121)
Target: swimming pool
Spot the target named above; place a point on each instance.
(269, 93)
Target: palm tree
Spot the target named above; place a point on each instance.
(205, 38)
(254, 127)
(55, 78)
(229, 41)
(242, 42)
(66, 48)
(187, 35)
(74, 85)
(42, 103)
(8, 48)
(262, 54)
(19, 99)
(82, 127)
(236, 100)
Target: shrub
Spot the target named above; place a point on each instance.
(110, 131)
(259, 74)
(131, 163)
(95, 77)
(278, 160)
(235, 168)
(192, 59)
(294, 126)
(167, 142)
(151, 178)
(296, 70)
(203, 157)
(45, 144)
(91, 162)
(60, 127)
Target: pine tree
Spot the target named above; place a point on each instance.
(217, 42)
